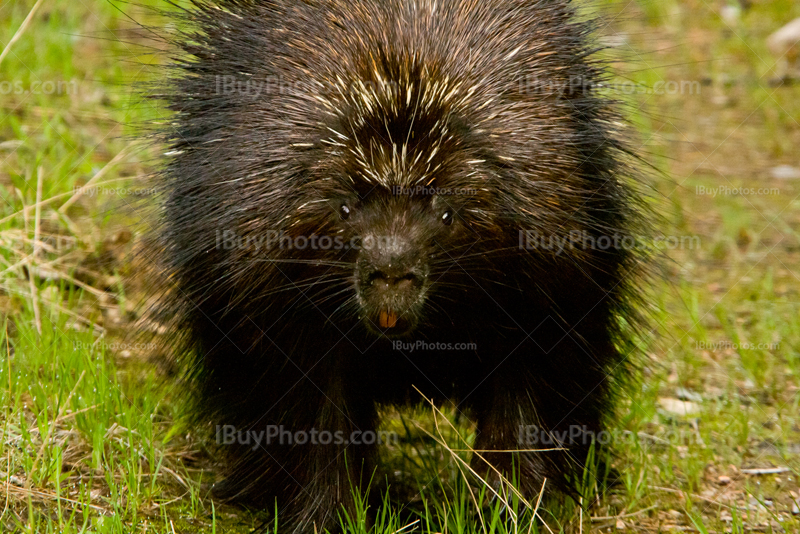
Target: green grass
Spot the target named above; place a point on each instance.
(92, 435)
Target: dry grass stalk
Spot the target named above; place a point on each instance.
(20, 30)
(506, 487)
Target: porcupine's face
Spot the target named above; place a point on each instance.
(410, 227)
(398, 236)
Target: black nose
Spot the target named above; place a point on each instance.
(391, 281)
(390, 263)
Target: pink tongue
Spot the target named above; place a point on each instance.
(388, 319)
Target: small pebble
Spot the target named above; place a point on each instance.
(688, 395)
(723, 480)
(785, 172)
(730, 14)
(678, 407)
(786, 40)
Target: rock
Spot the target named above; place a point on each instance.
(731, 14)
(785, 172)
(786, 41)
(785, 46)
(766, 470)
(11, 145)
(720, 100)
(723, 480)
(754, 505)
(688, 395)
(678, 407)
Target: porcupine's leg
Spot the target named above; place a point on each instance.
(340, 459)
(552, 397)
(309, 467)
(300, 432)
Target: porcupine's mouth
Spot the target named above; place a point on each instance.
(387, 313)
(390, 323)
(391, 292)
(387, 319)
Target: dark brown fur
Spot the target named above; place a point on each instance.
(330, 105)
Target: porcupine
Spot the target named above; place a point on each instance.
(344, 174)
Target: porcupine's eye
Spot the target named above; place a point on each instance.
(344, 212)
(447, 218)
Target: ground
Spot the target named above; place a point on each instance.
(93, 432)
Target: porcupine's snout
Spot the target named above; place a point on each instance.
(392, 278)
